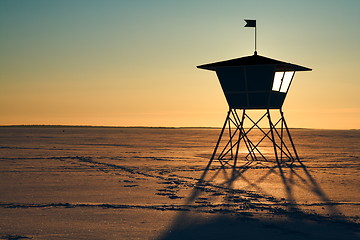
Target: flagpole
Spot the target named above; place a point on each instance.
(255, 53)
(252, 23)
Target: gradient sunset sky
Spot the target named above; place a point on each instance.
(133, 63)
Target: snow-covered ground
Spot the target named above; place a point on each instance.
(143, 183)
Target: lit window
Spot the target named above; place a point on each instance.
(282, 81)
(277, 81)
(286, 81)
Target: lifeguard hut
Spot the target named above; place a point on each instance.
(254, 83)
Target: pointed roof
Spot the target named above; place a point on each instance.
(254, 60)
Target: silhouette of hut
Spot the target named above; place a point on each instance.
(254, 82)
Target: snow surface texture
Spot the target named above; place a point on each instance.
(149, 183)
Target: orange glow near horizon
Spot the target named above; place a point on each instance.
(134, 63)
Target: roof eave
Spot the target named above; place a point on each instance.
(254, 60)
(290, 67)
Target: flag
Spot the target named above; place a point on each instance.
(250, 23)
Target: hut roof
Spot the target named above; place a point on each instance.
(254, 60)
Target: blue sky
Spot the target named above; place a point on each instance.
(134, 62)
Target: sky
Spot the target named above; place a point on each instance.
(133, 63)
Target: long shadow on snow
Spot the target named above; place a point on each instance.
(249, 217)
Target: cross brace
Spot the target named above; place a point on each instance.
(238, 146)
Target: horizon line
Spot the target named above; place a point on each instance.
(157, 127)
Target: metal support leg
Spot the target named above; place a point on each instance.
(289, 135)
(218, 142)
(273, 137)
(239, 139)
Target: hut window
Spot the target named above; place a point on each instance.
(282, 81)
